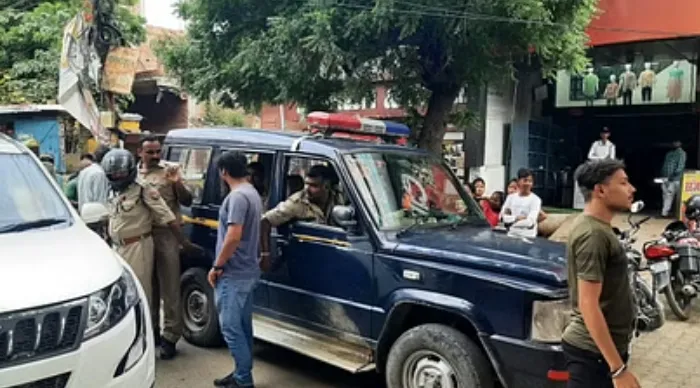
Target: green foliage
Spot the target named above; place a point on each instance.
(30, 46)
(310, 51)
(217, 115)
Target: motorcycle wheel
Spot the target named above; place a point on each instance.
(657, 315)
(679, 303)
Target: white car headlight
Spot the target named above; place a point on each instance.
(109, 306)
(549, 319)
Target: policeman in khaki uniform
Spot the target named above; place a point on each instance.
(165, 178)
(133, 210)
(313, 204)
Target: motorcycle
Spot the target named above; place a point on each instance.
(650, 310)
(681, 248)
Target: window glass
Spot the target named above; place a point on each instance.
(403, 189)
(263, 185)
(194, 163)
(30, 198)
(297, 167)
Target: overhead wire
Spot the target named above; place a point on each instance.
(446, 12)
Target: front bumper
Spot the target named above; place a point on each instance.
(94, 363)
(525, 364)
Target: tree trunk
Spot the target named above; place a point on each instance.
(435, 121)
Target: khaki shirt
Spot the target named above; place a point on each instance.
(156, 178)
(299, 207)
(133, 212)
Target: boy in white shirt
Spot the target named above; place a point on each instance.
(522, 209)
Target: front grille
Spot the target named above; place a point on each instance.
(34, 334)
(59, 381)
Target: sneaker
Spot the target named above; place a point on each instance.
(167, 350)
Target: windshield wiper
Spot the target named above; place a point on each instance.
(40, 223)
(419, 219)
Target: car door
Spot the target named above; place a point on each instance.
(324, 276)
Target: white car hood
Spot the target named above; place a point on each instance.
(49, 266)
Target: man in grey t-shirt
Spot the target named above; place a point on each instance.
(236, 269)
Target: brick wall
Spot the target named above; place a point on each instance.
(270, 115)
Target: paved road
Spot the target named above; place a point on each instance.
(274, 368)
(668, 358)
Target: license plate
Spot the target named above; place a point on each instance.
(659, 267)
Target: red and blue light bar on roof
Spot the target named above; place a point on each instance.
(338, 122)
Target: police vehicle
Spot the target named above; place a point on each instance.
(408, 280)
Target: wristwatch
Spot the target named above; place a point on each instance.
(217, 268)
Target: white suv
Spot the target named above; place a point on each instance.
(72, 313)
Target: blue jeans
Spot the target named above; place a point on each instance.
(234, 301)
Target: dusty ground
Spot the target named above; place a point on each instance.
(668, 358)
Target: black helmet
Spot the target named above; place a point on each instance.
(692, 208)
(120, 167)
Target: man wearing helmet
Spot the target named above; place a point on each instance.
(133, 210)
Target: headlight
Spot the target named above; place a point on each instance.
(109, 306)
(138, 346)
(549, 319)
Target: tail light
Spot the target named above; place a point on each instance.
(658, 251)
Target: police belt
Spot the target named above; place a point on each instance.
(131, 240)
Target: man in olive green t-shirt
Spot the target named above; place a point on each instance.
(596, 340)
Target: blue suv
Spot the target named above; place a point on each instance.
(409, 280)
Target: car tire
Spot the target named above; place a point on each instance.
(437, 350)
(199, 317)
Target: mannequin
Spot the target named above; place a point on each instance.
(628, 82)
(590, 87)
(612, 91)
(647, 79)
(675, 82)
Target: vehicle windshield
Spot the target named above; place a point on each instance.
(402, 189)
(29, 200)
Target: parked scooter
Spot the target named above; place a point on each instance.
(650, 310)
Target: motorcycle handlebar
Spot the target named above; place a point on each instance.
(643, 220)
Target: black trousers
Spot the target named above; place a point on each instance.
(627, 97)
(587, 369)
(646, 93)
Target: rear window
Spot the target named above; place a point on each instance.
(29, 200)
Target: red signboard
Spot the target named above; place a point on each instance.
(642, 20)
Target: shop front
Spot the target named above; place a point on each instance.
(645, 94)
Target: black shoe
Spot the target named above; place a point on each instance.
(157, 339)
(230, 382)
(225, 381)
(167, 350)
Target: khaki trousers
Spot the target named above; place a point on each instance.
(166, 284)
(139, 256)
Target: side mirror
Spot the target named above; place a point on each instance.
(94, 212)
(637, 207)
(344, 216)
